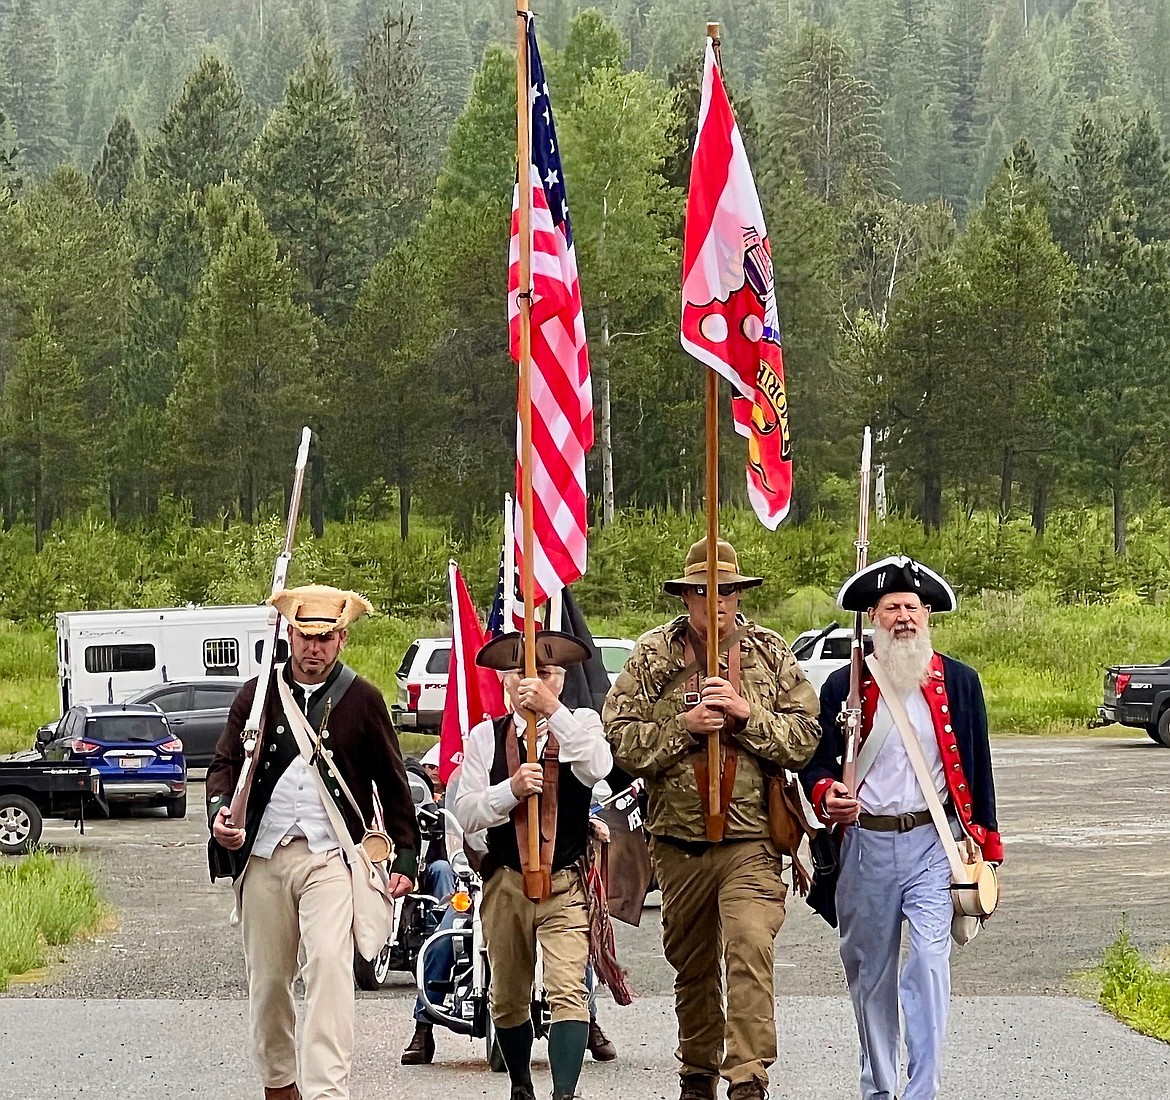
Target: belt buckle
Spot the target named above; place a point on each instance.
(906, 822)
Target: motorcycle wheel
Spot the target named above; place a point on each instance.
(372, 975)
(495, 1056)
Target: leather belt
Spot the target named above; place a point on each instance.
(894, 823)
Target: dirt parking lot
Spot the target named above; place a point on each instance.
(1086, 824)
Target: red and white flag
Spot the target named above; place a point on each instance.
(729, 318)
(562, 394)
(473, 693)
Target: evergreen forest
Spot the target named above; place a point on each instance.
(222, 219)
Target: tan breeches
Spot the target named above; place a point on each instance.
(722, 909)
(298, 899)
(512, 924)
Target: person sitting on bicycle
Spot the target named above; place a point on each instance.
(495, 784)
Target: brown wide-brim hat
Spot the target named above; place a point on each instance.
(506, 653)
(695, 570)
(319, 608)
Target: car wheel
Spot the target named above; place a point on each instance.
(177, 807)
(371, 975)
(20, 824)
(1164, 727)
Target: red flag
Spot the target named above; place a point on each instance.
(473, 693)
(562, 394)
(729, 318)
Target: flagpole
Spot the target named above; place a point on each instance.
(461, 673)
(715, 813)
(535, 887)
(509, 578)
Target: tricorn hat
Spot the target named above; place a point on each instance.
(506, 653)
(695, 570)
(897, 574)
(318, 608)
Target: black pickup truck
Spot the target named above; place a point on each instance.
(1138, 695)
(33, 788)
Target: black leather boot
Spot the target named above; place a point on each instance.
(420, 1051)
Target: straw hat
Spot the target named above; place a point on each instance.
(319, 608)
(695, 570)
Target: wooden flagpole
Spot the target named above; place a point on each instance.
(536, 885)
(715, 811)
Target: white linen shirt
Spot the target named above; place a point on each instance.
(295, 808)
(480, 804)
(890, 786)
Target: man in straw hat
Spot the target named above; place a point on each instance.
(893, 867)
(494, 783)
(722, 902)
(293, 886)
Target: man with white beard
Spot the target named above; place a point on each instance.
(892, 864)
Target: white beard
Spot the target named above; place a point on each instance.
(906, 660)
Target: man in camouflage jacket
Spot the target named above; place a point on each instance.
(721, 902)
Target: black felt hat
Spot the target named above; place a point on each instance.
(898, 574)
(506, 653)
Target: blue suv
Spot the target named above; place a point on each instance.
(131, 747)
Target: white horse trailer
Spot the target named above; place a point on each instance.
(106, 656)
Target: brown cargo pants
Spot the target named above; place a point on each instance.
(722, 908)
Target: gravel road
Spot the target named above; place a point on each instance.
(1085, 821)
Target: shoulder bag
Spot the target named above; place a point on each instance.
(974, 884)
(374, 911)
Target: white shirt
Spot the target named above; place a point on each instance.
(480, 804)
(890, 786)
(295, 808)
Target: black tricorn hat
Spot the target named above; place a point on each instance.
(897, 574)
(506, 653)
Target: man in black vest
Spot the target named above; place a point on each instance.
(293, 888)
(493, 785)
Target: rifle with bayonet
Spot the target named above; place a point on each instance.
(850, 716)
(252, 734)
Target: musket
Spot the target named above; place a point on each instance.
(252, 734)
(850, 716)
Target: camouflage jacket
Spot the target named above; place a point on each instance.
(649, 737)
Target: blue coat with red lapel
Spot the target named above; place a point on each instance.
(955, 698)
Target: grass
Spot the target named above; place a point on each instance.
(45, 901)
(1135, 991)
(1042, 662)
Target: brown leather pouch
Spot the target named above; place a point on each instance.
(788, 826)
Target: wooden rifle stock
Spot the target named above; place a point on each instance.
(850, 716)
(252, 734)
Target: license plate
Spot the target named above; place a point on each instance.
(130, 762)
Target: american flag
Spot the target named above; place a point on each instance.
(562, 395)
(496, 624)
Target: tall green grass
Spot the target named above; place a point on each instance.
(1136, 992)
(45, 901)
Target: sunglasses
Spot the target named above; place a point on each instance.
(700, 590)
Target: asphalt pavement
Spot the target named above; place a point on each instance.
(154, 1008)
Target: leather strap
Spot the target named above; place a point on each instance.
(691, 665)
(921, 770)
(870, 747)
(550, 762)
(730, 749)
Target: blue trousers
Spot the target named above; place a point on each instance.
(887, 879)
(439, 881)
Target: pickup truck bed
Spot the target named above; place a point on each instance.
(31, 789)
(1138, 695)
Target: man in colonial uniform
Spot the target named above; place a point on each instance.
(893, 867)
(494, 787)
(722, 902)
(293, 886)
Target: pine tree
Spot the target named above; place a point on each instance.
(29, 94)
(205, 132)
(1088, 191)
(1095, 61)
(1144, 165)
(305, 171)
(120, 163)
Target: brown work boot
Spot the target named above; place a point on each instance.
(755, 1089)
(599, 1044)
(420, 1051)
(697, 1086)
(285, 1092)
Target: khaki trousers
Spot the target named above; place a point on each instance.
(512, 924)
(722, 910)
(300, 899)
